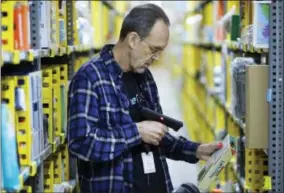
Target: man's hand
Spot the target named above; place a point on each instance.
(151, 132)
(204, 151)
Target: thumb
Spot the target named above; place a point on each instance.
(216, 146)
(205, 157)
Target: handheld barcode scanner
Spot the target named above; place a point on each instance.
(151, 115)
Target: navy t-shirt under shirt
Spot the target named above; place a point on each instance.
(150, 183)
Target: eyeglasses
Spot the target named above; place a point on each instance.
(154, 51)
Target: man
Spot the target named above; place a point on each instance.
(117, 150)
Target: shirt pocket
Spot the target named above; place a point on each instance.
(112, 114)
(113, 107)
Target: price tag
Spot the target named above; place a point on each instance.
(148, 163)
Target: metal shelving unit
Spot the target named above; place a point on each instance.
(199, 101)
(57, 65)
(275, 97)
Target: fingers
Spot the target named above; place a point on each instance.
(153, 132)
(212, 147)
(154, 142)
(219, 145)
(165, 129)
(206, 150)
(160, 132)
(157, 137)
(162, 129)
(159, 127)
(205, 158)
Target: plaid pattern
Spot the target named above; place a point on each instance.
(101, 132)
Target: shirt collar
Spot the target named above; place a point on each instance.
(108, 58)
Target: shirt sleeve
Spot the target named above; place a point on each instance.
(180, 148)
(86, 139)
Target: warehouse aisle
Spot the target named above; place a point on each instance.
(181, 172)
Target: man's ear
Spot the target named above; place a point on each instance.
(132, 40)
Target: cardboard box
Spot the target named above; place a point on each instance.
(215, 165)
(257, 108)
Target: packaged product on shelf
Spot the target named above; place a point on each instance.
(22, 26)
(215, 164)
(219, 82)
(9, 159)
(208, 34)
(25, 10)
(33, 84)
(228, 22)
(54, 35)
(17, 26)
(20, 99)
(45, 24)
(235, 27)
(247, 35)
(45, 131)
(238, 72)
(194, 26)
(62, 24)
(261, 15)
(203, 69)
(223, 73)
(85, 29)
(219, 33)
(62, 32)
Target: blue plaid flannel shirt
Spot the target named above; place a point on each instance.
(101, 132)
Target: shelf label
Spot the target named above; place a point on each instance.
(269, 95)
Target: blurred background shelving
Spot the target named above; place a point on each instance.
(227, 72)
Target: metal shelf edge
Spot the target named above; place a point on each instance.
(234, 46)
(16, 57)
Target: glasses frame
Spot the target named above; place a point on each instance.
(154, 51)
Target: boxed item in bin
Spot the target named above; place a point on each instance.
(238, 83)
(260, 30)
(215, 164)
(9, 160)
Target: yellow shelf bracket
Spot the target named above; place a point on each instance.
(62, 138)
(30, 55)
(33, 167)
(16, 57)
(267, 183)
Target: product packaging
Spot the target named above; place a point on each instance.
(215, 164)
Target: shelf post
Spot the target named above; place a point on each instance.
(275, 97)
(35, 28)
(70, 36)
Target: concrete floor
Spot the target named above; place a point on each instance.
(181, 172)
